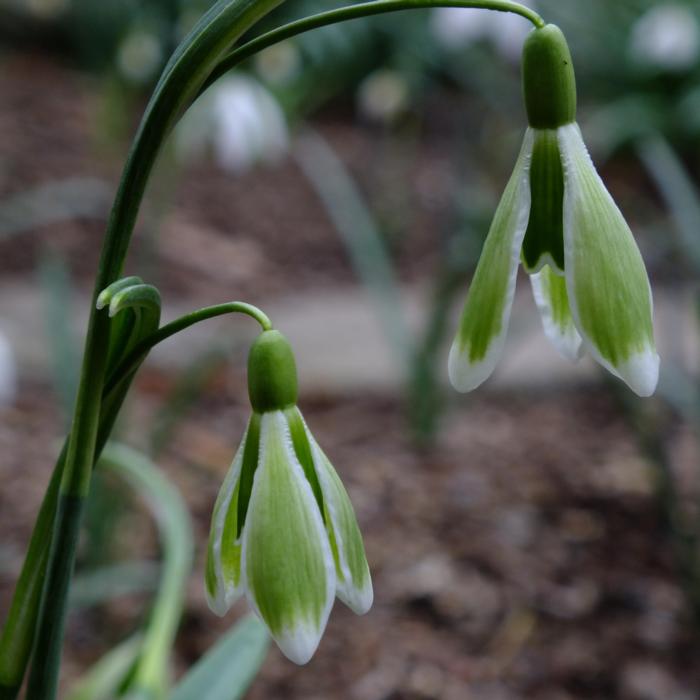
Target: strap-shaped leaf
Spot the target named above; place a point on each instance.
(105, 678)
(226, 671)
(150, 673)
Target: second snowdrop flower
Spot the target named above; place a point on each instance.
(557, 217)
(283, 529)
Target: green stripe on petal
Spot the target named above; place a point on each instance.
(287, 561)
(552, 299)
(484, 320)
(353, 580)
(608, 287)
(223, 567)
(250, 464)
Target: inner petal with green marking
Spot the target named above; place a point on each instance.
(544, 238)
(552, 299)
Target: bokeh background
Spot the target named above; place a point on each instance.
(535, 539)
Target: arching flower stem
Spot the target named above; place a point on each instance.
(365, 9)
(132, 361)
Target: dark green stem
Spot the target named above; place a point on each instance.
(365, 9)
(18, 631)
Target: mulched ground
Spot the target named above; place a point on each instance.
(523, 557)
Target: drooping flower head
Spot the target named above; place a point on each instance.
(283, 529)
(559, 220)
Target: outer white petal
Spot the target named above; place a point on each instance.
(484, 322)
(288, 565)
(550, 295)
(608, 288)
(226, 589)
(353, 581)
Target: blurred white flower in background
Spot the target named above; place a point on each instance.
(456, 27)
(139, 56)
(8, 372)
(667, 37)
(383, 95)
(279, 64)
(238, 121)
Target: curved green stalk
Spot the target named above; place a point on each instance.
(131, 362)
(365, 9)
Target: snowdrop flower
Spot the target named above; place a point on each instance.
(239, 120)
(283, 529)
(557, 217)
(666, 36)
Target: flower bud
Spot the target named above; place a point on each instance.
(549, 85)
(272, 373)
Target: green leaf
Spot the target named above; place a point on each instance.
(358, 232)
(484, 320)
(678, 191)
(226, 671)
(150, 674)
(105, 678)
